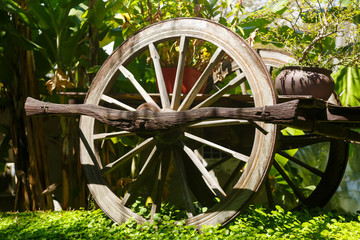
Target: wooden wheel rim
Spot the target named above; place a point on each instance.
(263, 94)
(338, 149)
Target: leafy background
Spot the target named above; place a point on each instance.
(65, 41)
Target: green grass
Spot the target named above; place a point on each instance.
(255, 223)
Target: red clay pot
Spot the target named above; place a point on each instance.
(191, 75)
(296, 80)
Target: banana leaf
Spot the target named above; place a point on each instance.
(347, 85)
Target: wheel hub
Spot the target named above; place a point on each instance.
(170, 136)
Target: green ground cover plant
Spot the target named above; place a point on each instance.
(254, 223)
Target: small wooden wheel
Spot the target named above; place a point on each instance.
(191, 167)
(308, 168)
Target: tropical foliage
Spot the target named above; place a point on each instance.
(45, 49)
(255, 223)
(311, 30)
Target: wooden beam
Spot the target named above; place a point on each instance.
(310, 115)
(154, 121)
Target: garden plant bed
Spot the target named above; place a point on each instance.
(254, 223)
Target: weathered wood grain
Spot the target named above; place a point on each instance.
(304, 114)
(145, 120)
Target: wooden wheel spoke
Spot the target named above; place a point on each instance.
(214, 186)
(235, 154)
(302, 164)
(102, 136)
(117, 163)
(243, 89)
(149, 163)
(190, 97)
(159, 76)
(258, 127)
(242, 85)
(184, 46)
(116, 102)
(160, 181)
(233, 175)
(269, 194)
(271, 70)
(292, 142)
(218, 123)
(136, 84)
(296, 190)
(184, 183)
(218, 163)
(216, 96)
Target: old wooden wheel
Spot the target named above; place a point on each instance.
(307, 168)
(191, 167)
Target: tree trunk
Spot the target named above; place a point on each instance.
(27, 135)
(93, 42)
(74, 192)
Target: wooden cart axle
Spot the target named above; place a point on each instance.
(310, 115)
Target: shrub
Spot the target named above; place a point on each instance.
(254, 223)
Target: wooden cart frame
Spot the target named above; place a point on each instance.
(240, 116)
